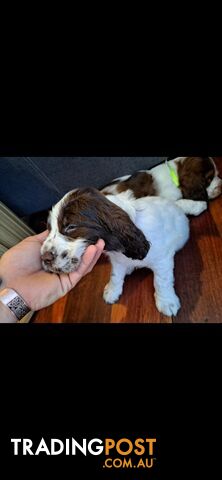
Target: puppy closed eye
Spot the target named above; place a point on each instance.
(69, 228)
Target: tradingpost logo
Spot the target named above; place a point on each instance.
(119, 453)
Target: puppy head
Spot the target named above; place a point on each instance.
(80, 219)
(199, 178)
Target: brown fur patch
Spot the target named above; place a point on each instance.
(195, 175)
(141, 184)
(88, 214)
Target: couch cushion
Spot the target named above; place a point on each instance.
(32, 184)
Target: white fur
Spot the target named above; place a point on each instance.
(167, 228)
(214, 188)
(191, 207)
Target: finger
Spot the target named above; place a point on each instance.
(87, 259)
(91, 256)
(100, 248)
(84, 265)
(87, 263)
(41, 236)
(100, 244)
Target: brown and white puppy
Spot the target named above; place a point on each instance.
(198, 182)
(138, 233)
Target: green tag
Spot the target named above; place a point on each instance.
(174, 176)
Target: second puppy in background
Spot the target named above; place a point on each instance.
(188, 181)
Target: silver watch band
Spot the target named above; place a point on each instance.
(14, 302)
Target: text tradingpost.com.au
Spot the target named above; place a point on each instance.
(121, 453)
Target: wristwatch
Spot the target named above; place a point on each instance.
(11, 299)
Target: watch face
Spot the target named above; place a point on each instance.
(18, 307)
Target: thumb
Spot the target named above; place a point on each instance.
(41, 236)
(88, 261)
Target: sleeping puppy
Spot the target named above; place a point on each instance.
(144, 232)
(188, 181)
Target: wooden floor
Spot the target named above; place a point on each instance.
(198, 282)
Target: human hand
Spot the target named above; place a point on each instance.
(21, 270)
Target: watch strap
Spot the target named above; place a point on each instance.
(14, 302)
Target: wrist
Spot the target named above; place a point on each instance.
(13, 306)
(15, 284)
(6, 316)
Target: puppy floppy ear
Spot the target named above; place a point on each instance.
(192, 188)
(121, 234)
(128, 239)
(191, 172)
(135, 244)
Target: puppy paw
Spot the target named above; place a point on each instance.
(168, 306)
(199, 207)
(110, 294)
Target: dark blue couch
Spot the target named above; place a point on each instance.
(32, 184)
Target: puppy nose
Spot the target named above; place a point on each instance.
(47, 257)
